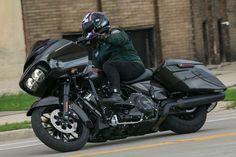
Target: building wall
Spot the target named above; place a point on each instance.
(12, 46)
(231, 12)
(215, 47)
(198, 16)
(50, 19)
(57, 17)
(178, 23)
(131, 13)
(176, 28)
(221, 33)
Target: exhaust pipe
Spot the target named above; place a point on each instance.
(194, 101)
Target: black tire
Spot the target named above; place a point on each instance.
(182, 126)
(51, 141)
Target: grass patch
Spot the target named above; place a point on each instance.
(230, 94)
(17, 102)
(15, 126)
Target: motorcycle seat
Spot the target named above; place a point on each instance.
(147, 75)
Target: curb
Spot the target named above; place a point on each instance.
(11, 113)
(231, 86)
(16, 134)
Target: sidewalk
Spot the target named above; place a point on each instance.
(13, 116)
(225, 72)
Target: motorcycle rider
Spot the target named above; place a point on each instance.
(112, 51)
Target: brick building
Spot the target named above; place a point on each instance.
(203, 30)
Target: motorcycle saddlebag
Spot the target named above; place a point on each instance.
(187, 76)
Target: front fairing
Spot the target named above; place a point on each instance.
(38, 51)
(56, 57)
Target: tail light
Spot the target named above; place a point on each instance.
(185, 65)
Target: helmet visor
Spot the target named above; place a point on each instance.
(87, 27)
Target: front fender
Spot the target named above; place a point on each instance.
(48, 101)
(51, 101)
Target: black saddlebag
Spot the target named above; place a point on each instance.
(187, 76)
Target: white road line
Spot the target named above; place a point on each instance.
(220, 119)
(8, 144)
(21, 146)
(222, 115)
(36, 144)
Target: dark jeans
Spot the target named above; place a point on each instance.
(117, 71)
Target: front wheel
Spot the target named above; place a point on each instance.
(186, 123)
(55, 132)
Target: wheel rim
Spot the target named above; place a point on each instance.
(53, 122)
(60, 124)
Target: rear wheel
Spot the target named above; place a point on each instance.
(50, 127)
(189, 122)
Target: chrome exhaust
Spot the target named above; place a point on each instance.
(191, 102)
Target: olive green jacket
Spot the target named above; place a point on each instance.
(116, 47)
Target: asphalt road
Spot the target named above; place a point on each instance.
(217, 138)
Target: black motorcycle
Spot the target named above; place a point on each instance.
(70, 112)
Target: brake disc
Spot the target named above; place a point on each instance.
(68, 126)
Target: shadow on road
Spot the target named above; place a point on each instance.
(135, 139)
(46, 152)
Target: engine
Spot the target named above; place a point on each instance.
(143, 108)
(143, 104)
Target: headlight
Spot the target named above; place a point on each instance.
(31, 84)
(38, 75)
(36, 78)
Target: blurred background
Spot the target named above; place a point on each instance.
(203, 30)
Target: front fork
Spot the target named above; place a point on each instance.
(66, 91)
(66, 104)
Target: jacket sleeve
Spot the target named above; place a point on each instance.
(92, 58)
(117, 37)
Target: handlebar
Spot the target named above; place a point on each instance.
(84, 39)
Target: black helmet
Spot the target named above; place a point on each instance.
(95, 22)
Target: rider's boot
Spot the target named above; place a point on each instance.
(115, 98)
